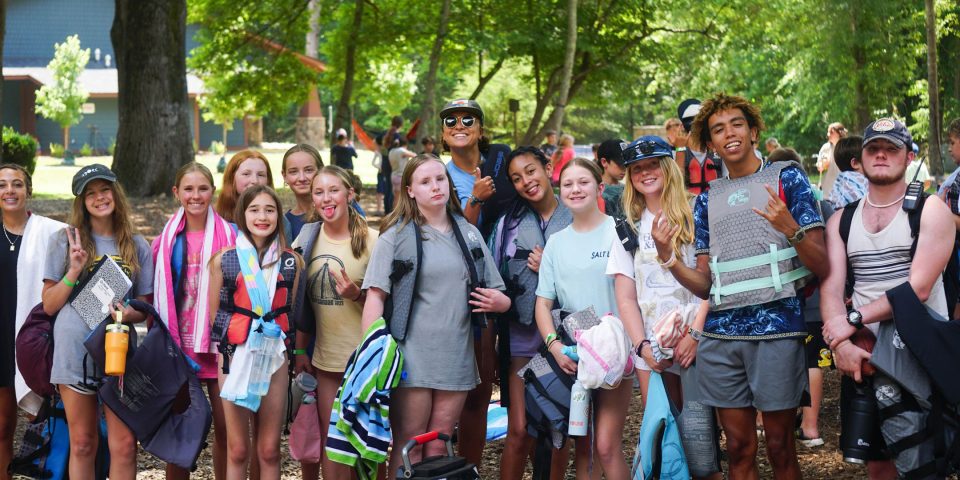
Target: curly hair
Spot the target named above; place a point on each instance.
(700, 130)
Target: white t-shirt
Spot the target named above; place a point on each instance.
(658, 292)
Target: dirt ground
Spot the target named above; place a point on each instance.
(818, 463)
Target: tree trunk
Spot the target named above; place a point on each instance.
(485, 79)
(342, 117)
(935, 163)
(154, 137)
(556, 118)
(862, 116)
(66, 139)
(428, 123)
(314, 29)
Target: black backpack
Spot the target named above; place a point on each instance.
(951, 275)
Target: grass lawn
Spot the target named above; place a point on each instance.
(53, 180)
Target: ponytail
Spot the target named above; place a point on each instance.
(357, 225)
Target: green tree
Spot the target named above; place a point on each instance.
(62, 100)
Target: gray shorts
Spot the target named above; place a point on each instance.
(769, 375)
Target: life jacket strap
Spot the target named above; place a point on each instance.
(775, 280)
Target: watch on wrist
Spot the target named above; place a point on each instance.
(797, 237)
(695, 334)
(855, 319)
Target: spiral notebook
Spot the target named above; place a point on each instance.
(105, 285)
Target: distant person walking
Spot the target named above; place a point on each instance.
(343, 153)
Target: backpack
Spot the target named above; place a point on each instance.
(659, 451)
(144, 398)
(34, 351)
(45, 449)
(951, 275)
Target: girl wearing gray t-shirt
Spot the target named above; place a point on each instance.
(439, 363)
(99, 225)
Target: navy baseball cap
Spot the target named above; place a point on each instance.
(462, 105)
(687, 111)
(90, 173)
(888, 129)
(647, 146)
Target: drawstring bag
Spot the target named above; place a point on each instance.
(143, 398)
(305, 442)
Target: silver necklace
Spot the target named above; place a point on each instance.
(874, 205)
(13, 243)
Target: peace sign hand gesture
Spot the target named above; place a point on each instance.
(663, 233)
(778, 214)
(77, 255)
(346, 287)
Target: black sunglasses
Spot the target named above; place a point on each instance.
(467, 121)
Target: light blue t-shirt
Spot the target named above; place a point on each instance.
(462, 181)
(949, 181)
(573, 269)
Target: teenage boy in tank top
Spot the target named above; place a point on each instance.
(878, 248)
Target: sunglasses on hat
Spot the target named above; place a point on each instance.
(467, 121)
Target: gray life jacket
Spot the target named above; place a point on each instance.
(526, 233)
(407, 259)
(751, 263)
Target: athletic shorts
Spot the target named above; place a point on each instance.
(817, 351)
(769, 375)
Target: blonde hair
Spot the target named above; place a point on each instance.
(405, 209)
(356, 224)
(191, 168)
(122, 228)
(566, 140)
(674, 201)
(227, 201)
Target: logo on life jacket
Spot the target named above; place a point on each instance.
(739, 197)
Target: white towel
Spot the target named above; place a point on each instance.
(30, 267)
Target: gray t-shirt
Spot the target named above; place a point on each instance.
(69, 331)
(438, 348)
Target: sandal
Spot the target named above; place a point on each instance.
(808, 442)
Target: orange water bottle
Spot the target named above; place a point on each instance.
(116, 347)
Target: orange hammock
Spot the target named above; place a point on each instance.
(364, 137)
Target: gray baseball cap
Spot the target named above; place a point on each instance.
(90, 173)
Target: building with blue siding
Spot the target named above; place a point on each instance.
(32, 29)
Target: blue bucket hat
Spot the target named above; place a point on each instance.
(647, 146)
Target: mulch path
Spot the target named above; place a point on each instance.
(150, 214)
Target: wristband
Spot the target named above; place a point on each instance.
(640, 347)
(300, 351)
(359, 295)
(550, 337)
(670, 261)
(68, 282)
(474, 200)
(695, 334)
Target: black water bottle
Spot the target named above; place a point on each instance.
(859, 426)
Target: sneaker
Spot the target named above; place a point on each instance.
(808, 442)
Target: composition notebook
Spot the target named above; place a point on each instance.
(105, 285)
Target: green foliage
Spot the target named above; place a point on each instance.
(112, 148)
(62, 100)
(240, 75)
(57, 150)
(217, 148)
(19, 148)
(86, 150)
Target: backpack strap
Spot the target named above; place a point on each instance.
(846, 220)
(913, 217)
(470, 256)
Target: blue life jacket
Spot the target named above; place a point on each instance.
(659, 448)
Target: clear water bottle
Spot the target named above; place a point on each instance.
(579, 410)
(265, 357)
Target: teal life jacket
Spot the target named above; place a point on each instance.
(659, 448)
